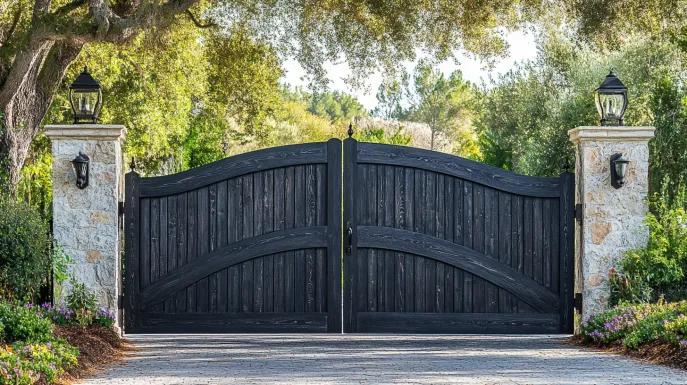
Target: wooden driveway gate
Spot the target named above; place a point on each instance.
(430, 243)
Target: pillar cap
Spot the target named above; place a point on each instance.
(85, 131)
(611, 134)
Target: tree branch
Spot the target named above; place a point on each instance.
(197, 22)
(13, 26)
(65, 9)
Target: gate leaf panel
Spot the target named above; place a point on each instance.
(442, 244)
(251, 243)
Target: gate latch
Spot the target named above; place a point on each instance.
(578, 213)
(349, 240)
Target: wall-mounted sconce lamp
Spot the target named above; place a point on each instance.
(618, 170)
(81, 165)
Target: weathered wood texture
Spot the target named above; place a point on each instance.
(218, 247)
(486, 250)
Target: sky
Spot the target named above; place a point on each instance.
(522, 47)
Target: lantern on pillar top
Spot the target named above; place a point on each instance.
(85, 96)
(611, 100)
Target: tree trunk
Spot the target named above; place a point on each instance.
(26, 96)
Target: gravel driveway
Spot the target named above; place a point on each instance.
(373, 359)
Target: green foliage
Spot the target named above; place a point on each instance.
(636, 325)
(24, 257)
(378, 135)
(60, 274)
(443, 103)
(660, 268)
(338, 106)
(82, 303)
(23, 323)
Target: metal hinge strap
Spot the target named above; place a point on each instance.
(578, 213)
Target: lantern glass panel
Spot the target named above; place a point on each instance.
(612, 105)
(85, 101)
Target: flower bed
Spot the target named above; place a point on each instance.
(654, 331)
(37, 343)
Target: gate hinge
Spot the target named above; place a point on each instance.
(578, 213)
(120, 209)
(578, 303)
(120, 302)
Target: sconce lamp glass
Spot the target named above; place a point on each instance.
(81, 167)
(619, 167)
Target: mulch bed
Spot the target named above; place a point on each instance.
(98, 347)
(654, 352)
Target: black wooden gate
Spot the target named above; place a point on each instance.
(439, 244)
(432, 243)
(251, 243)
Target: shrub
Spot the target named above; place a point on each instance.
(23, 323)
(636, 325)
(82, 303)
(659, 269)
(24, 363)
(24, 246)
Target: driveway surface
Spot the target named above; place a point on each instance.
(373, 359)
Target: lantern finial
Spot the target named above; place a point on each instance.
(132, 165)
(350, 130)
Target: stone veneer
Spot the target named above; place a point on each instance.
(612, 218)
(86, 222)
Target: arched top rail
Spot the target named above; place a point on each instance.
(466, 169)
(274, 157)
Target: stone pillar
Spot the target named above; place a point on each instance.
(612, 219)
(85, 221)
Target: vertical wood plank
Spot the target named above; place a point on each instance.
(419, 227)
(546, 243)
(431, 229)
(321, 254)
(468, 219)
(358, 195)
(567, 251)
(399, 223)
(182, 246)
(279, 224)
(192, 245)
(389, 256)
(505, 247)
(154, 239)
(555, 246)
(538, 241)
(247, 284)
(409, 192)
(479, 300)
(258, 229)
(234, 226)
(300, 213)
(289, 223)
(212, 226)
(310, 220)
(491, 226)
(268, 226)
(203, 286)
(222, 237)
(528, 236)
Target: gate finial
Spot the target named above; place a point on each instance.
(350, 130)
(132, 165)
